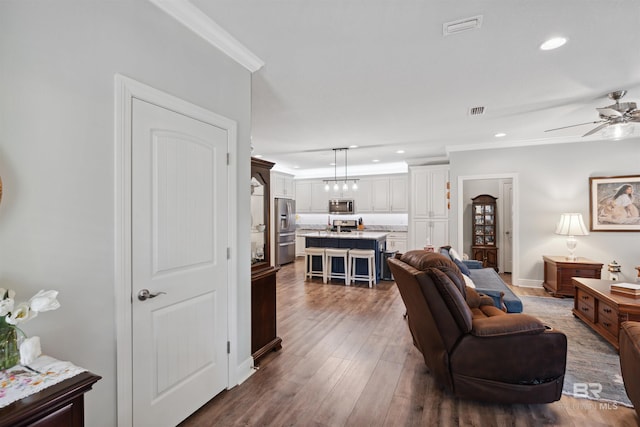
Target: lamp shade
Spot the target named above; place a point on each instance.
(571, 224)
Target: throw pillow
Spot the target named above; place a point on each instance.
(454, 255)
(463, 268)
(468, 281)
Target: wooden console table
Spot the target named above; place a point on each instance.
(558, 272)
(602, 310)
(60, 405)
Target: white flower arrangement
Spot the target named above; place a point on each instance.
(15, 314)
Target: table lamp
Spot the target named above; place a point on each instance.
(571, 225)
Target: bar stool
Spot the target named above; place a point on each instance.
(370, 256)
(309, 272)
(331, 253)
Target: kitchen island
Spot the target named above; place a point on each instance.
(349, 240)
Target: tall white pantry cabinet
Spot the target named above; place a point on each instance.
(429, 206)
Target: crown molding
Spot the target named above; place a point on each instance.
(197, 21)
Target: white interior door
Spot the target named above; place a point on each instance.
(507, 227)
(179, 247)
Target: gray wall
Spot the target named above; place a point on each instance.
(554, 179)
(57, 160)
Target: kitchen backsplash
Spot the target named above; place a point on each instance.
(372, 222)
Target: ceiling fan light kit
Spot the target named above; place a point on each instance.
(616, 120)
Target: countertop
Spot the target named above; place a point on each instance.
(366, 235)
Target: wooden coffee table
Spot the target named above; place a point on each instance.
(603, 310)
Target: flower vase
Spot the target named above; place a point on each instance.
(10, 338)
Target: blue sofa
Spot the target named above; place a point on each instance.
(487, 282)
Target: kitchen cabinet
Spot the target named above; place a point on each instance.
(398, 194)
(381, 194)
(283, 185)
(319, 198)
(362, 197)
(311, 197)
(397, 241)
(380, 201)
(428, 206)
(429, 231)
(300, 243)
(430, 191)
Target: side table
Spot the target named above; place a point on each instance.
(60, 405)
(558, 271)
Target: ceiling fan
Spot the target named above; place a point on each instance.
(619, 113)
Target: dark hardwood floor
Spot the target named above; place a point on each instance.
(347, 360)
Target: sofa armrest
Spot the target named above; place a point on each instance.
(507, 325)
(472, 264)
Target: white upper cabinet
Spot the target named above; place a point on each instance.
(428, 206)
(362, 197)
(319, 197)
(380, 199)
(303, 196)
(375, 194)
(399, 194)
(430, 192)
(283, 185)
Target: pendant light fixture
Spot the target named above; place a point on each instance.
(345, 181)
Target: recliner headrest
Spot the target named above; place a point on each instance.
(422, 260)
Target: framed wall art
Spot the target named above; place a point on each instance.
(614, 203)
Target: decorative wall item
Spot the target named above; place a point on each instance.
(614, 203)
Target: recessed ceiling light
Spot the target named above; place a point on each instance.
(375, 161)
(296, 167)
(258, 156)
(353, 146)
(553, 43)
(500, 135)
(400, 152)
(332, 164)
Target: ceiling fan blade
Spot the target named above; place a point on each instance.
(609, 112)
(635, 114)
(572, 126)
(596, 129)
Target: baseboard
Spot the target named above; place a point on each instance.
(528, 283)
(244, 370)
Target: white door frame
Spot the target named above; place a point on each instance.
(515, 219)
(125, 90)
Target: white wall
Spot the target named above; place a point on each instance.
(554, 179)
(57, 160)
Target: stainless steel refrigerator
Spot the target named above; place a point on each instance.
(285, 238)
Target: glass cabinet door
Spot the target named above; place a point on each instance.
(258, 222)
(260, 217)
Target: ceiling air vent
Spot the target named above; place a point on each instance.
(476, 111)
(461, 25)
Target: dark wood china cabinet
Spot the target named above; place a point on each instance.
(264, 337)
(483, 245)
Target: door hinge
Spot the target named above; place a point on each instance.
(228, 253)
(228, 347)
(228, 159)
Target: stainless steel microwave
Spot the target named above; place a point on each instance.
(341, 206)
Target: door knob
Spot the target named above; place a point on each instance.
(144, 294)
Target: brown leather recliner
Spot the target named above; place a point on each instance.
(630, 360)
(472, 348)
